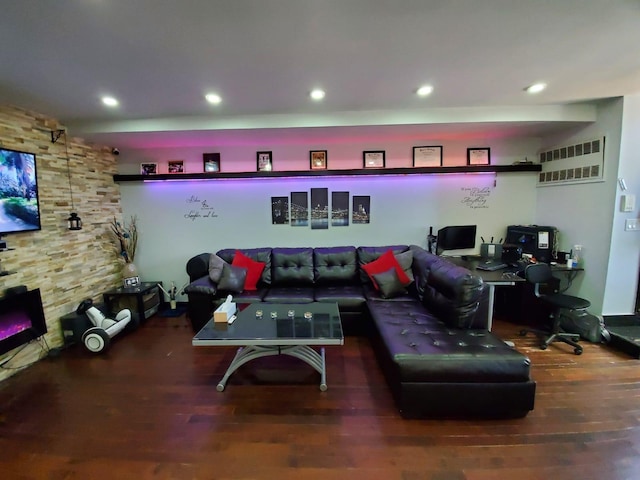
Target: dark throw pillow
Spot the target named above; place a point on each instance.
(389, 285)
(233, 278)
(215, 267)
(405, 260)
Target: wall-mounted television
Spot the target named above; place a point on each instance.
(456, 237)
(21, 319)
(19, 206)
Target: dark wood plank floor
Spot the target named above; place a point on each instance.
(149, 409)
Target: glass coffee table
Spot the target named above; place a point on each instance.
(265, 329)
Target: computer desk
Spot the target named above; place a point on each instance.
(504, 277)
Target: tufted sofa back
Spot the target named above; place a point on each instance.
(448, 290)
(292, 267)
(335, 265)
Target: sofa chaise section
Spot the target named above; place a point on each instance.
(434, 370)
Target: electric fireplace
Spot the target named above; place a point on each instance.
(21, 319)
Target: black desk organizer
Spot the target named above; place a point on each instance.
(625, 333)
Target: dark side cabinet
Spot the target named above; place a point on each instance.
(144, 299)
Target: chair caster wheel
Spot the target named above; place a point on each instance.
(543, 346)
(523, 333)
(577, 351)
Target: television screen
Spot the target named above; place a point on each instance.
(456, 238)
(21, 319)
(19, 207)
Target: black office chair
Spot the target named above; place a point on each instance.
(539, 274)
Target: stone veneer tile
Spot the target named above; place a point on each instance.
(66, 266)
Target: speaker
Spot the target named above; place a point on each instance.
(73, 327)
(15, 290)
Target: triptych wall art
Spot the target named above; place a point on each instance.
(319, 209)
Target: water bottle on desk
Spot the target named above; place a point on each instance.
(577, 255)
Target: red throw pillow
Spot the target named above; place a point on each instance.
(385, 262)
(254, 269)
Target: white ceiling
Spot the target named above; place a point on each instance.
(159, 58)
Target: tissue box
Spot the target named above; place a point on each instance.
(224, 312)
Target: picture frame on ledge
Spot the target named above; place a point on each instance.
(175, 166)
(318, 159)
(148, 168)
(264, 161)
(211, 162)
(478, 156)
(427, 156)
(373, 159)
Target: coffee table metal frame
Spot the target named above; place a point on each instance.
(303, 352)
(253, 348)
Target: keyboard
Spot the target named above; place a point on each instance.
(492, 265)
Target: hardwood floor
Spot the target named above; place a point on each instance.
(149, 409)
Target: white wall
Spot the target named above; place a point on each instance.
(402, 207)
(584, 213)
(622, 273)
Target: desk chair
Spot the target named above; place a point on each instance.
(539, 274)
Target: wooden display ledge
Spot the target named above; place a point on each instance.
(530, 167)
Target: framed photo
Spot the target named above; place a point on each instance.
(427, 156)
(478, 156)
(265, 161)
(318, 159)
(131, 282)
(373, 159)
(175, 166)
(211, 162)
(148, 168)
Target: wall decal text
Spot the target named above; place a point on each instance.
(475, 197)
(199, 209)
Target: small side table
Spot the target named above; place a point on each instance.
(144, 299)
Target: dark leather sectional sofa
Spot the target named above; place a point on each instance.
(434, 349)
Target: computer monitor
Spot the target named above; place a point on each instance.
(456, 238)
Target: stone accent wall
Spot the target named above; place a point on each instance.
(67, 266)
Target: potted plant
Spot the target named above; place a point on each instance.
(126, 242)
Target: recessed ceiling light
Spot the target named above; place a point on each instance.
(110, 101)
(536, 88)
(424, 90)
(213, 98)
(317, 94)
